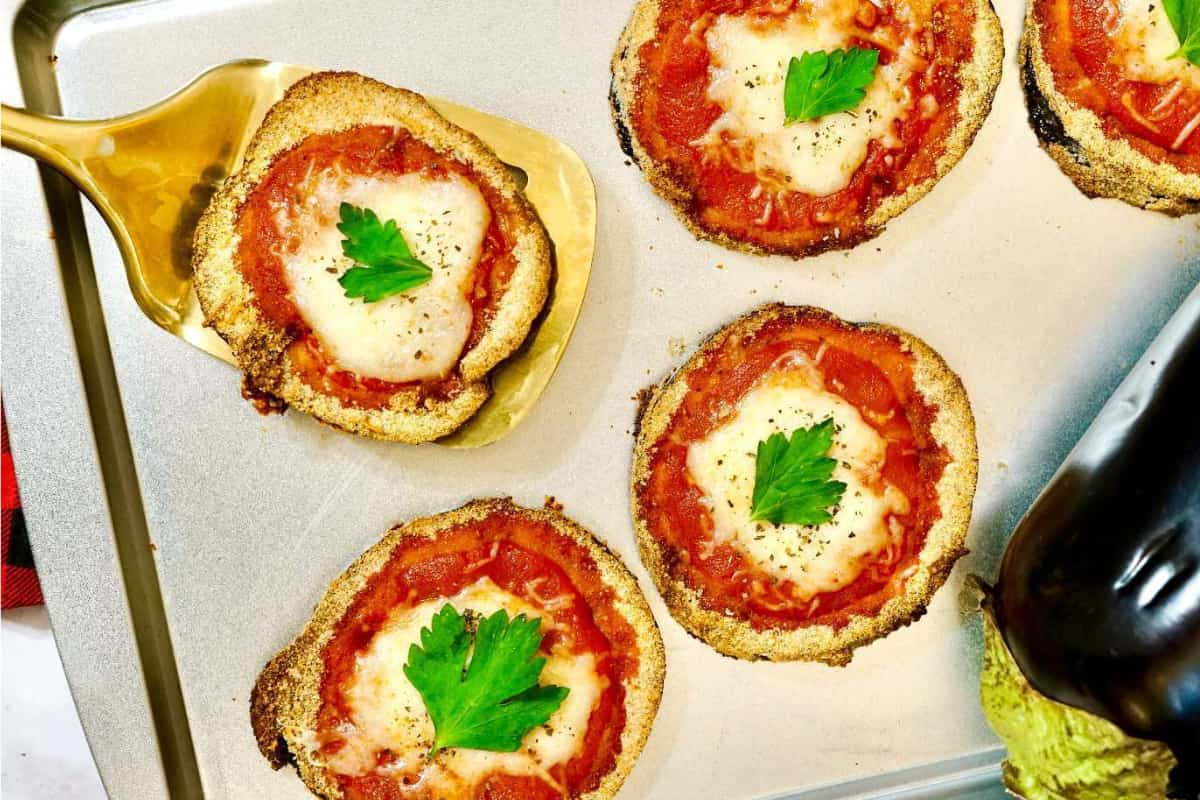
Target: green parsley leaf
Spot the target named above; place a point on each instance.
(791, 477)
(386, 265)
(820, 83)
(491, 703)
(1185, 19)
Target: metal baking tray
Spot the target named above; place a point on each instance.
(182, 538)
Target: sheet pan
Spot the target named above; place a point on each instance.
(129, 439)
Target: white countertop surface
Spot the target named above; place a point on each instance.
(43, 754)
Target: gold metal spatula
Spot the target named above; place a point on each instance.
(151, 173)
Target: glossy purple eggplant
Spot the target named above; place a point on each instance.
(1098, 596)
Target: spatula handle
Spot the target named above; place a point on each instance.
(59, 143)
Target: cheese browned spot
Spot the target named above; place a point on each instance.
(413, 336)
(388, 714)
(815, 559)
(749, 56)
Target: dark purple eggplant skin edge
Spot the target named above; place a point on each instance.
(1098, 596)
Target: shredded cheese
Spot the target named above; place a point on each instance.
(1186, 131)
(1164, 103)
(1127, 101)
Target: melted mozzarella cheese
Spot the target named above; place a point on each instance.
(816, 559)
(418, 334)
(749, 59)
(1144, 39)
(388, 712)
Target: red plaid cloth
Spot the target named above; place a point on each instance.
(18, 582)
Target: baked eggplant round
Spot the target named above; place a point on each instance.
(272, 267)
(900, 445)
(338, 702)
(1110, 105)
(698, 101)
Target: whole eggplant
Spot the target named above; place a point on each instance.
(1098, 597)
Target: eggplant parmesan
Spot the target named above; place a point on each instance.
(891, 507)
(387, 322)
(344, 704)
(1112, 102)
(698, 97)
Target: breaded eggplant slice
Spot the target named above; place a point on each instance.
(331, 102)
(1097, 162)
(733, 632)
(286, 699)
(978, 78)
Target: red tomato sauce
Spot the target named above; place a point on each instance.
(1079, 48)
(365, 150)
(866, 368)
(421, 569)
(673, 110)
